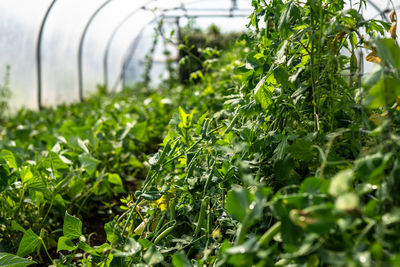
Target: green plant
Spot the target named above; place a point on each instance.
(5, 95)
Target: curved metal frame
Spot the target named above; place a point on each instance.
(39, 54)
(110, 40)
(81, 42)
(129, 54)
(131, 50)
(117, 28)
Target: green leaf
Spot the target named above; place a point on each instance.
(29, 243)
(389, 52)
(237, 203)
(8, 158)
(9, 260)
(383, 93)
(72, 227)
(153, 256)
(341, 182)
(131, 248)
(82, 145)
(36, 183)
(302, 150)
(313, 185)
(88, 163)
(183, 118)
(115, 179)
(111, 232)
(263, 94)
(26, 174)
(180, 260)
(347, 202)
(291, 11)
(139, 131)
(17, 227)
(65, 243)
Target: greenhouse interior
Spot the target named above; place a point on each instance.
(199, 133)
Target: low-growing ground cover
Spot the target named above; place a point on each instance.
(280, 153)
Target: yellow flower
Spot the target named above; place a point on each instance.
(162, 202)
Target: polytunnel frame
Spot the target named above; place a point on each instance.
(39, 54)
(81, 43)
(132, 48)
(126, 18)
(109, 43)
(113, 34)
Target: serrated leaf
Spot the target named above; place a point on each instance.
(72, 227)
(9, 260)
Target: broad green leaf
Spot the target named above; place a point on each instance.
(72, 227)
(384, 93)
(263, 94)
(82, 145)
(88, 163)
(313, 185)
(65, 243)
(26, 174)
(131, 248)
(115, 179)
(8, 158)
(389, 52)
(17, 227)
(183, 118)
(291, 12)
(237, 203)
(139, 131)
(153, 256)
(250, 246)
(9, 260)
(29, 243)
(341, 182)
(37, 183)
(180, 260)
(85, 247)
(112, 234)
(302, 150)
(347, 202)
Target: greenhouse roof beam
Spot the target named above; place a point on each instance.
(81, 42)
(110, 40)
(39, 54)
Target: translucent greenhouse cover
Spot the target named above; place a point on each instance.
(85, 43)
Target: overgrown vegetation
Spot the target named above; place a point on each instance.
(281, 154)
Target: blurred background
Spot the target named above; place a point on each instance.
(59, 51)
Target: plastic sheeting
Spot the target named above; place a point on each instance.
(117, 39)
(106, 47)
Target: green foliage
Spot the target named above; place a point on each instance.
(9, 260)
(280, 155)
(5, 95)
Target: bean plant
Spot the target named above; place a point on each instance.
(279, 152)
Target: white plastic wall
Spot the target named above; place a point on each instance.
(118, 25)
